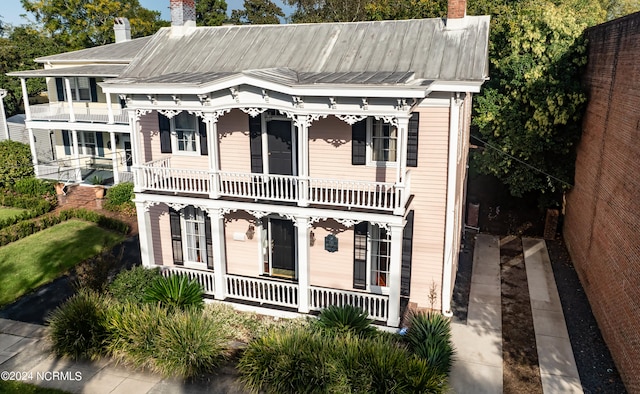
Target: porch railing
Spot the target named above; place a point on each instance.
(377, 306)
(83, 112)
(262, 291)
(205, 278)
(158, 175)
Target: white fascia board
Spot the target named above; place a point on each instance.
(103, 127)
(453, 86)
(273, 208)
(301, 90)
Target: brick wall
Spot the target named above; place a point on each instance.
(602, 223)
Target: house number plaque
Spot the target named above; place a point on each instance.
(331, 243)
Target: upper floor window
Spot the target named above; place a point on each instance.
(82, 89)
(384, 139)
(185, 129)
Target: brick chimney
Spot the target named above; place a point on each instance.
(183, 13)
(456, 13)
(122, 29)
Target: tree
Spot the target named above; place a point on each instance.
(406, 9)
(530, 110)
(257, 12)
(211, 12)
(316, 11)
(87, 23)
(17, 51)
(15, 162)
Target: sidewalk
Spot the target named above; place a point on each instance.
(24, 349)
(478, 368)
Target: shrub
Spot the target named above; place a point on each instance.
(94, 272)
(131, 285)
(34, 187)
(133, 332)
(15, 162)
(429, 336)
(189, 344)
(346, 318)
(78, 328)
(119, 198)
(175, 291)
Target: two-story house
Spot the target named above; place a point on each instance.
(291, 167)
(87, 130)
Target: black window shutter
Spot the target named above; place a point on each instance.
(176, 236)
(94, 90)
(412, 140)
(66, 142)
(202, 130)
(255, 136)
(209, 240)
(100, 144)
(359, 143)
(407, 246)
(60, 89)
(360, 255)
(165, 133)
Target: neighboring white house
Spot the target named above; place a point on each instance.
(291, 167)
(4, 129)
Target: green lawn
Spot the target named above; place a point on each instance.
(12, 386)
(7, 212)
(42, 257)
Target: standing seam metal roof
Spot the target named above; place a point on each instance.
(391, 50)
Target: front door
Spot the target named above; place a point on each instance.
(282, 247)
(280, 147)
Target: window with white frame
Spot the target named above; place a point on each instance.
(185, 130)
(193, 235)
(383, 139)
(380, 256)
(80, 88)
(87, 142)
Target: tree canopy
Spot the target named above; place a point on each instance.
(257, 12)
(211, 12)
(87, 23)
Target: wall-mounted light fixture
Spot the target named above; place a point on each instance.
(312, 238)
(251, 231)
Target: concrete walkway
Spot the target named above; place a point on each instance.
(478, 368)
(23, 348)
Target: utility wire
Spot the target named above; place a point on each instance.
(520, 161)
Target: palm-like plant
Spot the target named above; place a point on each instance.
(429, 337)
(176, 291)
(346, 318)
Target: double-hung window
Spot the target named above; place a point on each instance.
(80, 88)
(380, 256)
(87, 143)
(372, 257)
(193, 236)
(185, 129)
(384, 139)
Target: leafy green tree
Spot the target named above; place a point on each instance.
(530, 110)
(211, 12)
(87, 23)
(21, 45)
(15, 162)
(316, 11)
(406, 9)
(257, 12)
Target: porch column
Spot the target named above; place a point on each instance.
(110, 119)
(401, 160)
(5, 127)
(214, 154)
(144, 232)
(303, 225)
(302, 124)
(76, 154)
(67, 85)
(34, 155)
(135, 151)
(219, 255)
(25, 99)
(395, 270)
(114, 157)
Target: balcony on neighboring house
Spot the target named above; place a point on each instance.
(82, 112)
(159, 176)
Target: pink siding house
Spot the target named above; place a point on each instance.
(292, 167)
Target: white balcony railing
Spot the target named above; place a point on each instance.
(263, 291)
(83, 112)
(377, 306)
(205, 278)
(158, 175)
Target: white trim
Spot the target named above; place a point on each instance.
(62, 125)
(454, 87)
(447, 272)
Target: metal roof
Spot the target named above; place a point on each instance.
(98, 70)
(402, 52)
(121, 52)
